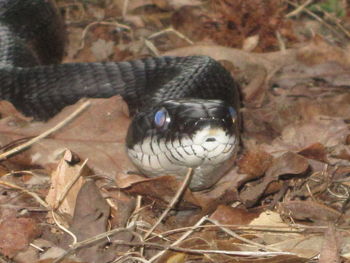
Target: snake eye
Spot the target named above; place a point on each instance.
(162, 118)
(233, 113)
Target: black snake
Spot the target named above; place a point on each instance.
(184, 107)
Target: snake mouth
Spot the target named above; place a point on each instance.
(207, 147)
(181, 134)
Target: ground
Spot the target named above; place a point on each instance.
(65, 195)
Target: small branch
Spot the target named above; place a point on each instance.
(299, 9)
(32, 194)
(233, 234)
(74, 237)
(178, 241)
(319, 19)
(104, 23)
(89, 241)
(70, 184)
(173, 202)
(29, 143)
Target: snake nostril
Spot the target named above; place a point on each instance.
(210, 139)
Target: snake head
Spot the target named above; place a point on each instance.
(177, 134)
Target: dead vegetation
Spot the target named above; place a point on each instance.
(65, 191)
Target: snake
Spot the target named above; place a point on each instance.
(185, 110)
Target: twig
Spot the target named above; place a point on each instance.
(151, 47)
(125, 8)
(299, 9)
(334, 20)
(32, 194)
(36, 247)
(127, 259)
(89, 241)
(319, 19)
(173, 202)
(281, 43)
(87, 28)
(201, 251)
(69, 185)
(46, 133)
(74, 237)
(174, 31)
(178, 241)
(233, 234)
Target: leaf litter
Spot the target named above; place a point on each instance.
(74, 195)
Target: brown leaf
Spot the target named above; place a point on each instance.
(254, 162)
(60, 180)
(175, 5)
(315, 151)
(227, 215)
(319, 52)
(330, 252)
(287, 164)
(16, 234)
(90, 219)
(296, 137)
(91, 212)
(309, 210)
(98, 134)
(163, 188)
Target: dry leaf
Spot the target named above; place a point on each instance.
(68, 176)
(102, 49)
(309, 210)
(330, 252)
(98, 134)
(16, 234)
(287, 164)
(227, 215)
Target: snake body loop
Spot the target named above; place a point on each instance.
(184, 108)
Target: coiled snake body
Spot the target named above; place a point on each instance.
(184, 107)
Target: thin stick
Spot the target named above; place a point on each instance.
(29, 143)
(70, 184)
(299, 9)
(319, 19)
(202, 251)
(89, 241)
(183, 237)
(74, 237)
(174, 31)
(233, 234)
(32, 194)
(104, 23)
(173, 202)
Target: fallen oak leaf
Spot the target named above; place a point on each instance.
(288, 164)
(255, 162)
(66, 182)
(163, 188)
(97, 134)
(309, 210)
(90, 219)
(331, 247)
(227, 215)
(315, 151)
(16, 234)
(296, 137)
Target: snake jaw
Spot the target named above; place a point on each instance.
(203, 136)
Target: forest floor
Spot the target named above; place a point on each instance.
(66, 196)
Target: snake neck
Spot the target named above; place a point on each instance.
(32, 32)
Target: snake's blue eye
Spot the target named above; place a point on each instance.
(162, 118)
(233, 113)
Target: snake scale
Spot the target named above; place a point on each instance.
(184, 108)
